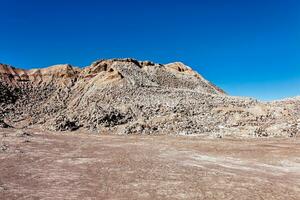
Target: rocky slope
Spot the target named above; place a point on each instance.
(126, 96)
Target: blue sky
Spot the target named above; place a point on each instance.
(248, 48)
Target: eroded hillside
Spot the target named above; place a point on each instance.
(126, 96)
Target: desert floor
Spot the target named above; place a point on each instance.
(44, 165)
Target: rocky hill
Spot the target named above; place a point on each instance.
(126, 96)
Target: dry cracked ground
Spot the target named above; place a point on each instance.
(77, 165)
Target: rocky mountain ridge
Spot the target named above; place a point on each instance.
(126, 96)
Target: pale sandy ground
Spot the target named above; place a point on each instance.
(80, 166)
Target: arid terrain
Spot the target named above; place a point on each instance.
(126, 96)
(128, 129)
(48, 165)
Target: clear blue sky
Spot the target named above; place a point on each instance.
(249, 48)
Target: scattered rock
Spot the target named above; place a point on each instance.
(22, 133)
(2, 188)
(64, 124)
(261, 132)
(4, 147)
(26, 141)
(4, 125)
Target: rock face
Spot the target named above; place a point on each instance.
(126, 96)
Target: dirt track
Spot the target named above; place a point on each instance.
(81, 166)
